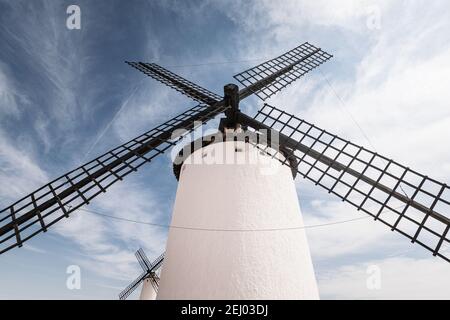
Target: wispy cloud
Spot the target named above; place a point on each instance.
(19, 171)
(33, 248)
(10, 98)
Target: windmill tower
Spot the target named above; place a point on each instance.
(237, 232)
(241, 205)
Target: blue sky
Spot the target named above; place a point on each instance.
(67, 96)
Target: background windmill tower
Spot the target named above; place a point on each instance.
(235, 208)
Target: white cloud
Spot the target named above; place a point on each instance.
(355, 237)
(19, 171)
(9, 95)
(400, 278)
(344, 14)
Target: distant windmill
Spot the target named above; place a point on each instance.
(149, 278)
(239, 228)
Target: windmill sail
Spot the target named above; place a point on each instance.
(143, 260)
(47, 205)
(158, 262)
(176, 82)
(408, 202)
(281, 71)
(132, 286)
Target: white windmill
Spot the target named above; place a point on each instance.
(237, 230)
(149, 278)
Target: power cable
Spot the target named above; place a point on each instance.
(221, 230)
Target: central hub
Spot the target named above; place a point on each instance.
(231, 98)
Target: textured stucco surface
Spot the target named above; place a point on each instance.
(251, 264)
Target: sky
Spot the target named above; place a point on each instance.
(66, 96)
